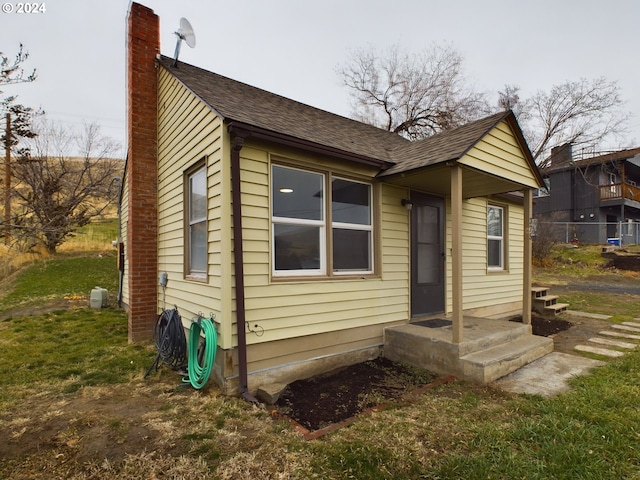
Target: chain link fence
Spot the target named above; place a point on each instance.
(613, 233)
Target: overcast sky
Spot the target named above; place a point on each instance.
(293, 47)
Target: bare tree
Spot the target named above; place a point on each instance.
(583, 112)
(59, 192)
(418, 95)
(412, 95)
(11, 72)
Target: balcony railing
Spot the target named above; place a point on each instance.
(619, 190)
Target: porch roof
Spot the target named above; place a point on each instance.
(426, 164)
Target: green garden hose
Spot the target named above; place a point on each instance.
(200, 366)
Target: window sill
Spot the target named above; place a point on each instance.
(323, 278)
(497, 271)
(196, 278)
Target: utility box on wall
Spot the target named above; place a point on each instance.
(99, 298)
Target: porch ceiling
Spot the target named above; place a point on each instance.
(437, 180)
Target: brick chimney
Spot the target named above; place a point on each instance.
(143, 45)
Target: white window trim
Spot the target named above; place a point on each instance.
(322, 246)
(501, 267)
(359, 227)
(324, 224)
(195, 274)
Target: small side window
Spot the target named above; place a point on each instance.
(495, 238)
(196, 223)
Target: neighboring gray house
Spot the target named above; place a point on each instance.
(597, 197)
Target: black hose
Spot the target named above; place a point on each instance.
(170, 340)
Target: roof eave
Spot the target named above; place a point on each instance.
(245, 130)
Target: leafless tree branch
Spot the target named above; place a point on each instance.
(59, 192)
(412, 95)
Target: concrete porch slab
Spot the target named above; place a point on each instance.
(547, 376)
(489, 349)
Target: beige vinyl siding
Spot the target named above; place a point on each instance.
(499, 154)
(124, 219)
(190, 132)
(264, 356)
(481, 288)
(279, 310)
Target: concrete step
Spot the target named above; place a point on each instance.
(553, 310)
(605, 352)
(539, 291)
(547, 300)
(632, 324)
(545, 304)
(627, 336)
(613, 343)
(492, 363)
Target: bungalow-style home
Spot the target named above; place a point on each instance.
(317, 241)
(597, 197)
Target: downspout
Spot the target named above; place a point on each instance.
(238, 143)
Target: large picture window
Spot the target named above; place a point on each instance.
(495, 238)
(305, 206)
(196, 254)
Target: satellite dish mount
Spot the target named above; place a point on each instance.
(185, 32)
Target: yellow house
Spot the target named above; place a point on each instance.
(313, 238)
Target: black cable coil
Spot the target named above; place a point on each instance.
(170, 340)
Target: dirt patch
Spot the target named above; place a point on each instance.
(333, 397)
(623, 260)
(546, 327)
(98, 422)
(582, 329)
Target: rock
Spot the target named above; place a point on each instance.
(269, 394)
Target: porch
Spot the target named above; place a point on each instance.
(490, 349)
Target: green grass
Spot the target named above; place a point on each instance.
(95, 236)
(67, 349)
(619, 306)
(62, 277)
(589, 433)
(454, 431)
(586, 264)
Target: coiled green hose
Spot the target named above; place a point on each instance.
(200, 366)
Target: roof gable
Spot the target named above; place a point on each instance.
(443, 147)
(454, 144)
(239, 102)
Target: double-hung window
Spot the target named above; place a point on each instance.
(196, 254)
(495, 238)
(321, 225)
(352, 226)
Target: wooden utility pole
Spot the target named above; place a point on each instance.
(7, 182)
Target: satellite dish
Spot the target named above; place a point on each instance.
(185, 32)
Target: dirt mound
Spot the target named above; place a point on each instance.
(546, 327)
(623, 260)
(335, 396)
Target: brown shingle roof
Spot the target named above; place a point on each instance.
(446, 146)
(237, 101)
